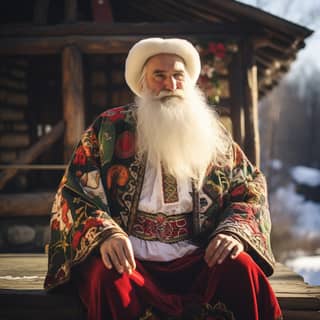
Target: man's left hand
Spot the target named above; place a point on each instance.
(220, 247)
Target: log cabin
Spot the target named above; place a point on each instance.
(62, 63)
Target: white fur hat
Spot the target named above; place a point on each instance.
(147, 48)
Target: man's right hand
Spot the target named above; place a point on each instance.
(116, 252)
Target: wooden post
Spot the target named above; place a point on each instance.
(250, 89)
(70, 11)
(236, 99)
(73, 99)
(40, 12)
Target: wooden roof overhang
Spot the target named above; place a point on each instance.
(267, 47)
(275, 41)
(275, 45)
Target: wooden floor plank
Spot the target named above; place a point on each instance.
(22, 276)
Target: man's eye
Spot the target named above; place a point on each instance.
(159, 76)
(179, 76)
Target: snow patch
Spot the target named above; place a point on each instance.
(306, 175)
(308, 267)
(306, 213)
(276, 164)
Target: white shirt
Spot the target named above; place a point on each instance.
(152, 200)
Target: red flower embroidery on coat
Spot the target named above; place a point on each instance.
(118, 174)
(125, 145)
(76, 239)
(64, 214)
(55, 224)
(79, 234)
(80, 157)
(238, 191)
(114, 114)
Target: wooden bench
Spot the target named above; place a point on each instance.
(22, 296)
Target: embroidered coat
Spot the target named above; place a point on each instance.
(99, 194)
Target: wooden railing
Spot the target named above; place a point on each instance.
(26, 158)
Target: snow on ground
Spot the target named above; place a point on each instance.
(305, 218)
(308, 267)
(306, 213)
(306, 175)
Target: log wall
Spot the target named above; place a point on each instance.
(14, 129)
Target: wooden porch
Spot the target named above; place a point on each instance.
(267, 45)
(22, 295)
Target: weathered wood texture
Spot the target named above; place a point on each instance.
(225, 30)
(250, 89)
(70, 11)
(40, 12)
(26, 204)
(22, 276)
(73, 98)
(33, 152)
(237, 99)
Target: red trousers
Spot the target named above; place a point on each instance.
(236, 289)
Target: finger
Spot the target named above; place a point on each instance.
(212, 247)
(115, 261)
(122, 258)
(106, 261)
(225, 253)
(130, 256)
(216, 255)
(236, 251)
(214, 258)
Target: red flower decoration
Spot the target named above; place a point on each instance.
(125, 145)
(114, 114)
(217, 49)
(64, 214)
(238, 191)
(92, 223)
(76, 239)
(55, 224)
(80, 157)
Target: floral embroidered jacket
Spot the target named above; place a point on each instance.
(99, 194)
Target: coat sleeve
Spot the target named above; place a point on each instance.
(81, 218)
(246, 211)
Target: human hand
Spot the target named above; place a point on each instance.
(220, 247)
(116, 251)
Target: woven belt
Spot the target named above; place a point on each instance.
(162, 227)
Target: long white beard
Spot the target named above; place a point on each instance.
(183, 133)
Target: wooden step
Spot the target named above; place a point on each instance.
(22, 295)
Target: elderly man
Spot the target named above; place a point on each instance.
(160, 215)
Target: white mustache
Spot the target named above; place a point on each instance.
(167, 94)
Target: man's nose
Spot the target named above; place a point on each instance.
(171, 84)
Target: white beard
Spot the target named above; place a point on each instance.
(183, 133)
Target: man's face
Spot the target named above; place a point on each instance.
(165, 73)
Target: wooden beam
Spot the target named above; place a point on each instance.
(70, 11)
(33, 152)
(73, 98)
(250, 89)
(26, 204)
(54, 45)
(214, 30)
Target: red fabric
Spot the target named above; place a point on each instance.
(173, 287)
